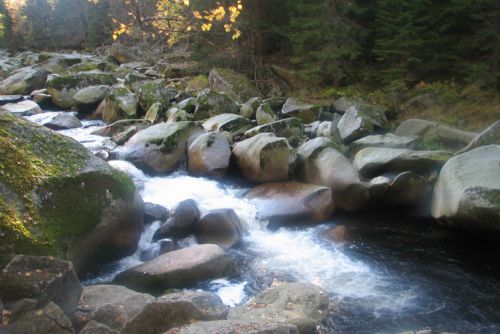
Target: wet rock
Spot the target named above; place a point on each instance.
(338, 234)
(209, 155)
(290, 128)
(265, 114)
(467, 191)
(304, 111)
(151, 92)
(94, 327)
(43, 279)
(300, 304)
(154, 212)
(292, 202)
(24, 81)
(111, 305)
(264, 158)
(236, 326)
(232, 123)
(388, 140)
(56, 120)
(320, 162)
(47, 320)
(249, 108)
(490, 136)
(85, 210)
(23, 108)
(161, 147)
(120, 126)
(182, 222)
(62, 89)
(221, 227)
(435, 133)
(210, 103)
(236, 85)
(407, 189)
(167, 245)
(374, 161)
(179, 269)
(176, 309)
(4, 99)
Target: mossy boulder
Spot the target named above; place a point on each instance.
(305, 111)
(121, 103)
(210, 103)
(24, 81)
(155, 91)
(56, 198)
(232, 123)
(265, 114)
(236, 85)
(63, 88)
(290, 128)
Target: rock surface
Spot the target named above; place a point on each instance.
(209, 103)
(182, 222)
(490, 136)
(209, 155)
(236, 85)
(388, 140)
(56, 120)
(24, 81)
(236, 327)
(23, 108)
(221, 227)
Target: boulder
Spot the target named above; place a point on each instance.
(209, 155)
(490, 136)
(120, 126)
(236, 85)
(179, 268)
(374, 161)
(467, 191)
(154, 212)
(301, 304)
(41, 278)
(176, 309)
(63, 88)
(182, 222)
(24, 81)
(189, 105)
(249, 108)
(151, 92)
(23, 108)
(102, 302)
(123, 54)
(232, 123)
(264, 158)
(265, 114)
(120, 103)
(353, 126)
(197, 83)
(4, 99)
(176, 115)
(91, 96)
(236, 326)
(209, 103)
(47, 320)
(221, 227)
(290, 128)
(58, 198)
(154, 113)
(321, 163)
(407, 189)
(302, 110)
(292, 202)
(56, 120)
(435, 134)
(388, 140)
(162, 147)
(376, 114)
(94, 327)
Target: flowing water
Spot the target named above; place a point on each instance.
(397, 273)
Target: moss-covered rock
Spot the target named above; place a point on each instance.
(63, 88)
(121, 103)
(210, 103)
(57, 198)
(236, 85)
(290, 128)
(232, 123)
(151, 92)
(24, 81)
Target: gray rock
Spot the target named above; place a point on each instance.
(44, 279)
(189, 105)
(265, 114)
(388, 140)
(4, 99)
(264, 158)
(176, 115)
(209, 155)
(303, 305)
(182, 222)
(47, 320)
(176, 309)
(490, 136)
(286, 202)
(91, 95)
(467, 191)
(161, 147)
(120, 103)
(236, 326)
(24, 81)
(154, 212)
(353, 126)
(94, 327)
(236, 85)
(56, 120)
(221, 227)
(249, 108)
(290, 128)
(153, 113)
(374, 161)
(111, 305)
(179, 269)
(151, 92)
(23, 108)
(304, 111)
(232, 123)
(120, 126)
(210, 103)
(321, 163)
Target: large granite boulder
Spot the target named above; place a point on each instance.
(292, 202)
(179, 268)
(210, 103)
(265, 114)
(374, 161)
(300, 304)
(302, 110)
(264, 158)
(249, 108)
(489, 136)
(231, 123)
(23, 108)
(209, 155)
(121, 103)
(161, 147)
(221, 227)
(176, 309)
(89, 97)
(24, 81)
(58, 198)
(41, 278)
(236, 85)
(320, 162)
(290, 128)
(56, 120)
(182, 222)
(388, 140)
(236, 326)
(151, 92)
(467, 191)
